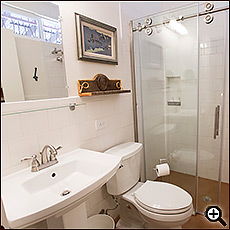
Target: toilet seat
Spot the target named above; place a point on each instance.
(165, 217)
(158, 215)
(162, 198)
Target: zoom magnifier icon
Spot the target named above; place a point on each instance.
(213, 214)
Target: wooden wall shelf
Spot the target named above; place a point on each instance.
(100, 85)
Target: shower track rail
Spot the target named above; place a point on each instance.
(184, 17)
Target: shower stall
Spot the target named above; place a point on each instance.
(180, 82)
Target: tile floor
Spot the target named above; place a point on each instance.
(205, 188)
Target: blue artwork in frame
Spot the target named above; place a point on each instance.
(96, 41)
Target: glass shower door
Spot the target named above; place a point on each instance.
(166, 64)
(212, 102)
(182, 94)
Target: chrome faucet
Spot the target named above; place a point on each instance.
(44, 153)
(48, 158)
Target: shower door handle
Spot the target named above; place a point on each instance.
(216, 123)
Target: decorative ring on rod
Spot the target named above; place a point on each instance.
(208, 6)
(148, 21)
(208, 18)
(149, 31)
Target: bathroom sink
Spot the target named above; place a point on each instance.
(29, 197)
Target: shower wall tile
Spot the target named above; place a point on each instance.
(212, 82)
(216, 59)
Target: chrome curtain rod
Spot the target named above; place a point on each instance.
(185, 17)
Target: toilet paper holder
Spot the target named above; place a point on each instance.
(161, 161)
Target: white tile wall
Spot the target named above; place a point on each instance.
(5, 156)
(30, 124)
(11, 121)
(26, 133)
(55, 70)
(58, 118)
(212, 85)
(53, 137)
(23, 147)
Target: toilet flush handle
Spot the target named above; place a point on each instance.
(120, 166)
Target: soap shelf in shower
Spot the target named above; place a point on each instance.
(173, 76)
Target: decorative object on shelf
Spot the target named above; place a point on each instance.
(99, 85)
(96, 41)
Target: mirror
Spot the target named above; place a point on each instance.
(32, 53)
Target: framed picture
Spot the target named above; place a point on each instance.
(96, 41)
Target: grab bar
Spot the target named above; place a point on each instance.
(216, 122)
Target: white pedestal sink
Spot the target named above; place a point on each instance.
(29, 197)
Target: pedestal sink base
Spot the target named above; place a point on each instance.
(76, 218)
(54, 223)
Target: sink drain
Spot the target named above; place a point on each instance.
(206, 198)
(65, 192)
(53, 174)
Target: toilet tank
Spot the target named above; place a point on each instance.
(128, 173)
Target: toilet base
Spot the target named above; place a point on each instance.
(122, 224)
(149, 226)
(130, 218)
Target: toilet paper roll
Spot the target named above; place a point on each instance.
(162, 169)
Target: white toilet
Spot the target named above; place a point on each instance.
(151, 204)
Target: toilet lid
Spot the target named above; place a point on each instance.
(161, 196)
(125, 150)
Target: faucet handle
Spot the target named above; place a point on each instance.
(34, 156)
(59, 147)
(54, 154)
(35, 163)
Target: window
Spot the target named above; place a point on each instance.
(21, 25)
(30, 27)
(51, 31)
